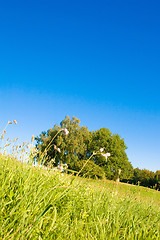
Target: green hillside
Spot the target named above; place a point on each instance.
(44, 204)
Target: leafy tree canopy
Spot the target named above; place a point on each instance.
(78, 146)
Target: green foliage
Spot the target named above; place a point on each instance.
(79, 145)
(73, 146)
(157, 176)
(146, 178)
(90, 170)
(118, 159)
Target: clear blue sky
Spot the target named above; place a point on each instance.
(96, 60)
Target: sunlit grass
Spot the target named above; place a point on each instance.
(39, 203)
(42, 204)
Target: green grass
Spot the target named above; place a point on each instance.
(40, 204)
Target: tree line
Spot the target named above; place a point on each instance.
(145, 178)
(75, 148)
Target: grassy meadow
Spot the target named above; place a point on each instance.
(44, 204)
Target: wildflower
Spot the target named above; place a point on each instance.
(106, 155)
(10, 122)
(101, 149)
(2, 136)
(15, 122)
(5, 131)
(56, 148)
(65, 131)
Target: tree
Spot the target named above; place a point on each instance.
(73, 147)
(79, 145)
(114, 145)
(144, 177)
(157, 177)
(91, 169)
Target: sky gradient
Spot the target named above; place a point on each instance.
(96, 60)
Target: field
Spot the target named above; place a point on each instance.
(44, 204)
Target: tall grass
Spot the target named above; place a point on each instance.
(44, 204)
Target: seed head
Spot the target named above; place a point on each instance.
(32, 138)
(15, 122)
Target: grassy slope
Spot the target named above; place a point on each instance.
(39, 204)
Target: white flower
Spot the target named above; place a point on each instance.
(65, 131)
(101, 149)
(106, 155)
(56, 148)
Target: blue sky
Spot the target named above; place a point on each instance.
(96, 60)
